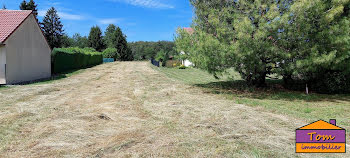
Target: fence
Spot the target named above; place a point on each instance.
(155, 63)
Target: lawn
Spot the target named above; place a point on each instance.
(274, 98)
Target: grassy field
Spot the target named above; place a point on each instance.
(274, 98)
(128, 109)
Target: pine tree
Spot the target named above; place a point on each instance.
(32, 6)
(23, 5)
(109, 38)
(234, 34)
(29, 6)
(121, 44)
(52, 28)
(316, 36)
(96, 39)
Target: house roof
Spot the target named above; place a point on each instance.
(189, 30)
(10, 20)
(321, 125)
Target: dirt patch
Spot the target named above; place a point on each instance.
(104, 117)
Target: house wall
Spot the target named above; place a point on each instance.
(186, 62)
(28, 56)
(2, 65)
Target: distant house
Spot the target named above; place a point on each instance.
(24, 52)
(187, 62)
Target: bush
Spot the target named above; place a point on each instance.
(331, 83)
(328, 82)
(111, 53)
(65, 59)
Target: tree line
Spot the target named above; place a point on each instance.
(305, 42)
(143, 50)
(114, 42)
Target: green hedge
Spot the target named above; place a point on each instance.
(65, 59)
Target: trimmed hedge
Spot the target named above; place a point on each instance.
(65, 59)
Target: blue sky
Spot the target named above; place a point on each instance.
(146, 20)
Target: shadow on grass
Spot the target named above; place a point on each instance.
(273, 91)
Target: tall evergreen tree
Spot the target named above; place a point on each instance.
(29, 6)
(23, 5)
(52, 28)
(32, 6)
(121, 44)
(109, 37)
(96, 39)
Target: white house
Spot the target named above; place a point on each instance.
(186, 62)
(24, 52)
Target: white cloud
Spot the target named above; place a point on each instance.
(68, 16)
(109, 21)
(63, 15)
(147, 3)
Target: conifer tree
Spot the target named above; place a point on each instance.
(121, 44)
(95, 39)
(52, 28)
(23, 5)
(234, 34)
(304, 41)
(32, 6)
(29, 6)
(316, 38)
(109, 38)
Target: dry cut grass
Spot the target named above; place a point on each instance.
(130, 110)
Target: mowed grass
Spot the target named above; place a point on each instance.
(195, 76)
(274, 98)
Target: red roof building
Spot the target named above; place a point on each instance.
(24, 52)
(10, 21)
(189, 30)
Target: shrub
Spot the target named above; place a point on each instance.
(331, 83)
(111, 53)
(65, 59)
